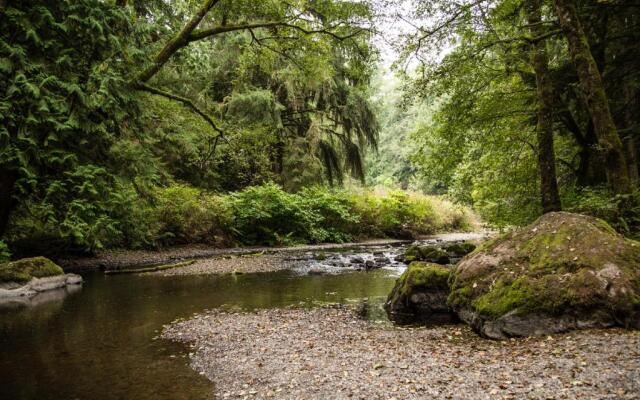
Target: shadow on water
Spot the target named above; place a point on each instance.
(98, 343)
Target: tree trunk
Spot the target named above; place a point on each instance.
(544, 129)
(591, 83)
(631, 102)
(7, 201)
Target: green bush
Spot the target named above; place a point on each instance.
(338, 219)
(268, 215)
(257, 215)
(183, 214)
(5, 254)
(400, 213)
(621, 212)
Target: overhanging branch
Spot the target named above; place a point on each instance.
(183, 100)
(205, 33)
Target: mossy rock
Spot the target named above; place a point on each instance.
(24, 270)
(460, 249)
(431, 254)
(420, 295)
(565, 271)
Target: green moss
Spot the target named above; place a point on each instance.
(426, 253)
(27, 268)
(463, 248)
(605, 226)
(432, 253)
(412, 252)
(420, 274)
(551, 267)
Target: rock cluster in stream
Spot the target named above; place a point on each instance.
(563, 272)
(29, 277)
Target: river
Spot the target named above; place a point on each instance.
(99, 342)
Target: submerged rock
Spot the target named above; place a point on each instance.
(420, 296)
(565, 271)
(370, 264)
(31, 276)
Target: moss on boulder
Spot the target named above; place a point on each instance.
(24, 270)
(420, 295)
(460, 249)
(431, 254)
(565, 271)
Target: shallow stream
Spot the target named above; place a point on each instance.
(99, 342)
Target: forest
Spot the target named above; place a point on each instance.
(114, 112)
(308, 174)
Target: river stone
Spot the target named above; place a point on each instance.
(25, 269)
(460, 249)
(30, 276)
(432, 254)
(420, 296)
(370, 264)
(563, 272)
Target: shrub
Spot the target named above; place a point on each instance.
(268, 215)
(336, 211)
(184, 214)
(621, 212)
(400, 213)
(257, 215)
(5, 254)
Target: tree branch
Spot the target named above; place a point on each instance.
(175, 44)
(205, 33)
(183, 100)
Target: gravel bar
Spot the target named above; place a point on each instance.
(146, 258)
(329, 353)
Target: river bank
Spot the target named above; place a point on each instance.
(243, 259)
(330, 353)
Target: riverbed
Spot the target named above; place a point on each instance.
(108, 339)
(102, 341)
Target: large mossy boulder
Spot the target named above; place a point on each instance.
(420, 296)
(21, 281)
(22, 271)
(565, 271)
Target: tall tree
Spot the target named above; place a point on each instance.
(590, 81)
(544, 129)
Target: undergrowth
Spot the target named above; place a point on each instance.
(257, 215)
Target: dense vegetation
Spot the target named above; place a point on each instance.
(149, 122)
(524, 112)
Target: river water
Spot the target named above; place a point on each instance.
(99, 342)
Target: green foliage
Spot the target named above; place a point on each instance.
(476, 140)
(65, 105)
(622, 212)
(406, 214)
(102, 212)
(5, 254)
(184, 214)
(257, 215)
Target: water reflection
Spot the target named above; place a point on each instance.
(99, 343)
